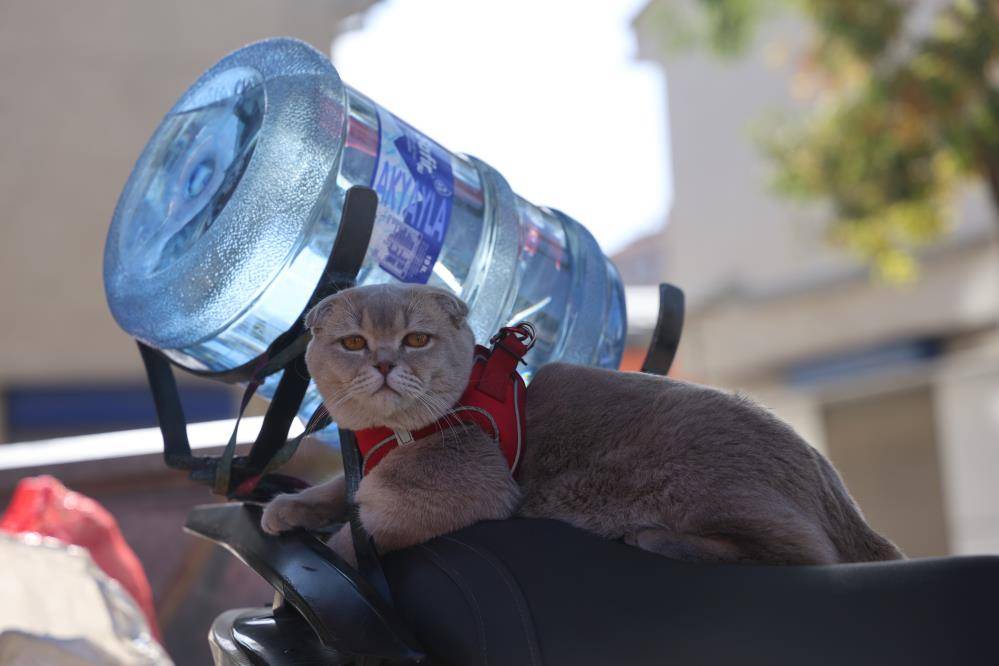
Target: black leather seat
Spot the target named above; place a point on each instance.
(532, 592)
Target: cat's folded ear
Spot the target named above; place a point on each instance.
(315, 317)
(453, 307)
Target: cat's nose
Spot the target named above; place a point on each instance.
(385, 367)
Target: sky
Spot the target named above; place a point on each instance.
(548, 92)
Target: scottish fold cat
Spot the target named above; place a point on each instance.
(679, 469)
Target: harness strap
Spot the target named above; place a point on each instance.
(514, 342)
(493, 401)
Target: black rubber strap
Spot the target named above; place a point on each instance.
(345, 260)
(320, 419)
(666, 336)
(285, 352)
(280, 414)
(223, 480)
(349, 249)
(169, 412)
(368, 563)
(351, 246)
(261, 484)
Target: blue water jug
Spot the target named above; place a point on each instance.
(226, 222)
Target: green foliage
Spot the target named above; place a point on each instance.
(726, 26)
(904, 118)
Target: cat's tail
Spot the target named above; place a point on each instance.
(849, 532)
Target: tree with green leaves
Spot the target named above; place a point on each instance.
(907, 113)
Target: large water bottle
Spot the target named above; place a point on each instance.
(225, 224)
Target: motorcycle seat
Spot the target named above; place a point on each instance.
(539, 592)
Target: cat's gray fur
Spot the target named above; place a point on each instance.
(676, 468)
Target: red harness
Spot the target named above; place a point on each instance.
(494, 401)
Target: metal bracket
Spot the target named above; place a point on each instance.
(666, 336)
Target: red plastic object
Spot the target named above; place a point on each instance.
(41, 504)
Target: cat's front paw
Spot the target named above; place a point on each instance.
(286, 512)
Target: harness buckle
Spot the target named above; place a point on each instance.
(523, 331)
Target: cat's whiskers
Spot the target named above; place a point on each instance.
(331, 407)
(336, 399)
(413, 389)
(411, 386)
(351, 390)
(317, 416)
(434, 411)
(443, 410)
(436, 415)
(423, 406)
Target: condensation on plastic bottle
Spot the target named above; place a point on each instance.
(226, 222)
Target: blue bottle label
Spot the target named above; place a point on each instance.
(415, 187)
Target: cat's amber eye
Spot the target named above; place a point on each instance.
(353, 343)
(416, 340)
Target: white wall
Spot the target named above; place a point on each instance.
(967, 415)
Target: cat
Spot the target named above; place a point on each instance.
(675, 468)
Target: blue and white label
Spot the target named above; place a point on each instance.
(415, 187)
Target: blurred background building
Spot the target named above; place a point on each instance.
(899, 385)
